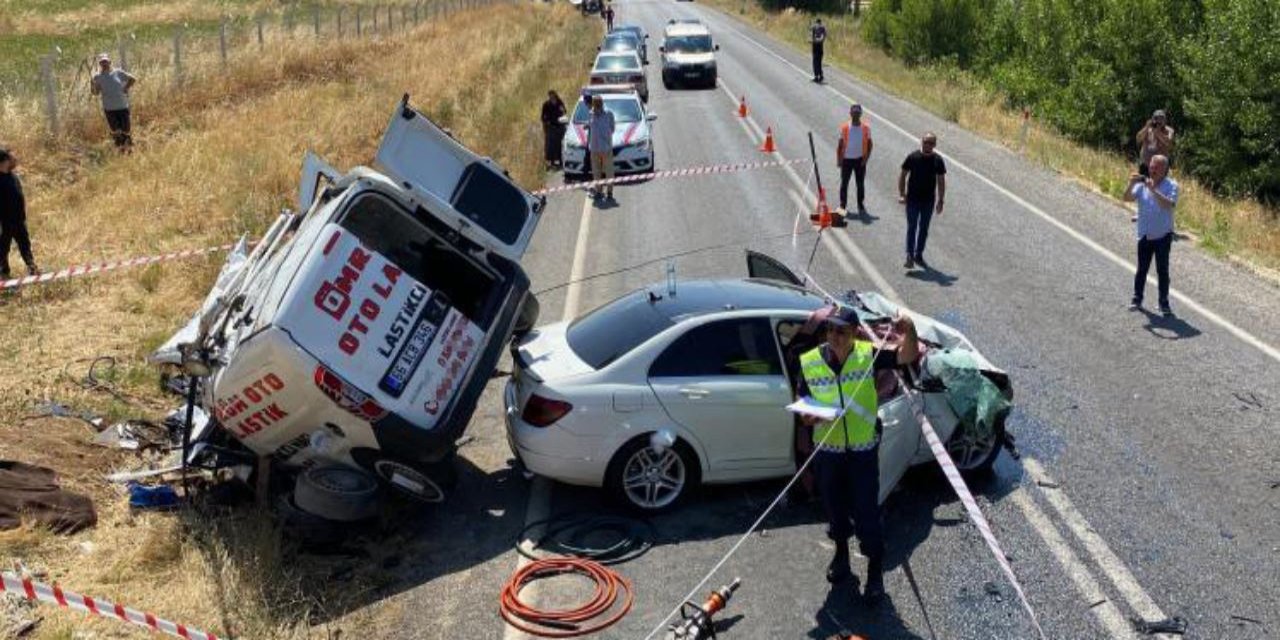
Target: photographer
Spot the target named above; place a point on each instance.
(1154, 139)
(1156, 195)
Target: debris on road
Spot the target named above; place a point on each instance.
(606, 539)
(1245, 619)
(1048, 484)
(52, 409)
(1175, 625)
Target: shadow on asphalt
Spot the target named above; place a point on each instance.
(1170, 328)
(930, 274)
(338, 569)
(844, 611)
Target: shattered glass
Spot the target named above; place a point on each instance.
(974, 398)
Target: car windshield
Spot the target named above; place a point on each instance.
(613, 330)
(624, 110)
(689, 44)
(617, 63)
(634, 31)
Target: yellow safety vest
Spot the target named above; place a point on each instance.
(853, 389)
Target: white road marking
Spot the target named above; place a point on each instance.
(1111, 565)
(1127, 265)
(540, 493)
(1108, 614)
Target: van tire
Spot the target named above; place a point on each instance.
(337, 493)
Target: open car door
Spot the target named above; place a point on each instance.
(427, 161)
(760, 265)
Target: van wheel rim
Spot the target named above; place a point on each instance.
(968, 450)
(652, 480)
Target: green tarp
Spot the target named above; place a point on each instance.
(972, 396)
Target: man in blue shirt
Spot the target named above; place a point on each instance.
(1156, 196)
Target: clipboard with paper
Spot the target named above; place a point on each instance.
(807, 406)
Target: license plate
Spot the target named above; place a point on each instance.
(616, 79)
(693, 74)
(414, 347)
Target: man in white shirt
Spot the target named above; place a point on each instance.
(853, 150)
(113, 85)
(600, 144)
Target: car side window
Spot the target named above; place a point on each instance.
(740, 347)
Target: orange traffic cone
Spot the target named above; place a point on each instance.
(742, 107)
(768, 147)
(823, 214)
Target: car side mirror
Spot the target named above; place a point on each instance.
(563, 119)
(651, 117)
(716, 48)
(662, 49)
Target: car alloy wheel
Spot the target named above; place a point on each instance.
(654, 480)
(975, 450)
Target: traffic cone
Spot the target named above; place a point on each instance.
(742, 107)
(823, 214)
(768, 147)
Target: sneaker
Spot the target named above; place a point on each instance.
(1135, 305)
(862, 211)
(920, 262)
(1166, 311)
(909, 264)
(33, 270)
(875, 581)
(838, 571)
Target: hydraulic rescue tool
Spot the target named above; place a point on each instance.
(696, 622)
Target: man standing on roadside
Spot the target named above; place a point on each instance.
(923, 179)
(113, 85)
(600, 144)
(608, 17)
(817, 36)
(13, 217)
(853, 151)
(1156, 196)
(1154, 139)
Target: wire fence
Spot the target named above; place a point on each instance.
(190, 54)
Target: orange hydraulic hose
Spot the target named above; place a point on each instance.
(565, 623)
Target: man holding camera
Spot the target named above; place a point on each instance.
(1156, 196)
(1154, 139)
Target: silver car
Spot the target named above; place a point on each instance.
(621, 68)
(671, 386)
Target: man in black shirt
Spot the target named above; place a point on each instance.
(923, 178)
(817, 36)
(13, 217)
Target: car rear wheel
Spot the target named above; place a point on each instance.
(650, 481)
(974, 452)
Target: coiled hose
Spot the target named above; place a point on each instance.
(569, 622)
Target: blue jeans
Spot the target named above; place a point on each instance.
(919, 214)
(849, 482)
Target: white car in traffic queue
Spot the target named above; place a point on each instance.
(632, 132)
(688, 55)
(668, 387)
(621, 68)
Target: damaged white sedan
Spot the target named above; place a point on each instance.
(668, 387)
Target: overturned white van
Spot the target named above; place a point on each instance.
(361, 331)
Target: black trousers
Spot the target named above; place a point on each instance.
(121, 129)
(857, 167)
(1147, 249)
(14, 230)
(849, 482)
(553, 137)
(817, 60)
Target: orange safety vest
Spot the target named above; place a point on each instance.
(844, 140)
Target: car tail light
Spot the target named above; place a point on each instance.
(596, 80)
(637, 79)
(542, 412)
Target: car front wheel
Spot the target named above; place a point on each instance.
(650, 481)
(974, 451)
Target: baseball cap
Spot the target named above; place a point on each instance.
(843, 317)
(103, 57)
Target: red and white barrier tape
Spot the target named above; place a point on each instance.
(89, 269)
(971, 506)
(53, 594)
(671, 173)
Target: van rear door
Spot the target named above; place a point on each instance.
(493, 210)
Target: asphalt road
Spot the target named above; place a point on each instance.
(1146, 483)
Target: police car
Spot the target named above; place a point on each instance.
(632, 132)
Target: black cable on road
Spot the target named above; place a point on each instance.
(569, 536)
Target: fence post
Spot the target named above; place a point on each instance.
(375, 18)
(359, 31)
(417, 6)
(340, 10)
(390, 23)
(177, 57)
(315, 19)
(260, 40)
(50, 92)
(222, 42)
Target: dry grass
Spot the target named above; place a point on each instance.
(1240, 229)
(219, 160)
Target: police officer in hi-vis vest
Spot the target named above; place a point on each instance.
(841, 373)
